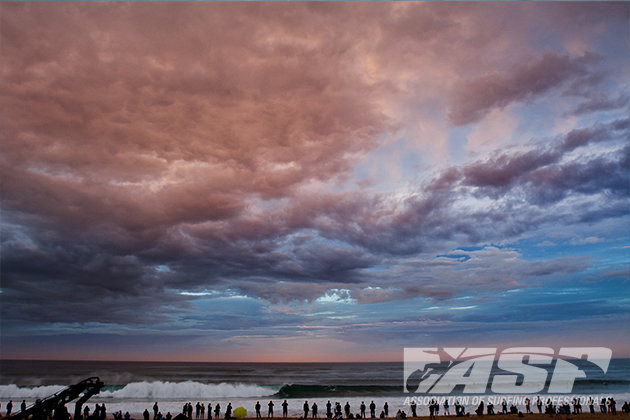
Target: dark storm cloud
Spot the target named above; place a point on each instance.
(475, 98)
(601, 103)
(296, 245)
(522, 185)
(150, 150)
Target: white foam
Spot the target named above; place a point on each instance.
(12, 391)
(187, 390)
(150, 390)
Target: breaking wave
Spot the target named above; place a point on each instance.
(150, 390)
(8, 392)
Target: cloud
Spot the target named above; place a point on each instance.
(475, 98)
(323, 241)
(587, 241)
(161, 162)
(601, 103)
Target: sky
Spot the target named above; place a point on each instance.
(312, 181)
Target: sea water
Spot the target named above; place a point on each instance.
(136, 386)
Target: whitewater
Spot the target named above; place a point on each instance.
(136, 386)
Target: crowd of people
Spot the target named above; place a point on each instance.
(337, 412)
(606, 405)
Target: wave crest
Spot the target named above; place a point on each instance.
(151, 390)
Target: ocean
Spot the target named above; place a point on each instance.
(136, 386)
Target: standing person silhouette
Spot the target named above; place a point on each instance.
(306, 409)
(314, 410)
(257, 406)
(372, 410)
(155, 410)
(386, 409)
(270, 412)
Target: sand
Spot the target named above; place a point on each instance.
(582, 416)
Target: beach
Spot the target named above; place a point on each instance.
(582, 416)
(135, 386)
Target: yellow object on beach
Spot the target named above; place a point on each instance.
(240, 413)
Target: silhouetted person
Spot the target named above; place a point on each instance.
(209, 411)
(306, 409)
(372, 410)
(146, 414)
(328, 410)
(527, 402)
(479, 410)
(347, 409)
(270, 412)
(314, 410)
(386, 409)
(9, 407)
(459, 409)
(578, 406)
(257, 406)
(156, 410)
(612, 406)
